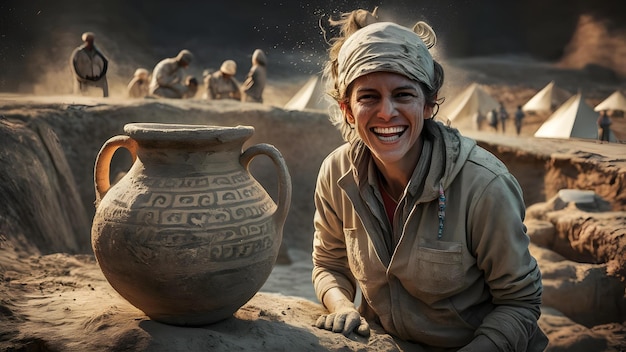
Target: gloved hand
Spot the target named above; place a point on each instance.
(343, 317)
(344, 320)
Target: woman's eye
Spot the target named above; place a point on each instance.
(366, 97)
(405, 95)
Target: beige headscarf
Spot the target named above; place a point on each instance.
(388, 47)
(229, 67)
(88, 36)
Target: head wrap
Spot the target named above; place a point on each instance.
(387, 47)
(88, 36)
(259, 57)
(229, 67)
(185, 56)
(141, 72)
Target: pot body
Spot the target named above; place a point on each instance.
(187, 235)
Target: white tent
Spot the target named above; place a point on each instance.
(467, 106)
(312, 96)
(546, 99)
(573, 119)
(615, 101)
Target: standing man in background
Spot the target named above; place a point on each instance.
(604, 122)
(519, 116)
(504, 115)
(252, 88)
(89, 67)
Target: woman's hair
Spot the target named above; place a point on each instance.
(350, 23)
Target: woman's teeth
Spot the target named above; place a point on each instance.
(388, 134)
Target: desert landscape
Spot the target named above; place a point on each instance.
(54, 297)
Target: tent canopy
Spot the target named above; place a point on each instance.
(472, 101)
(573, 119)
(615, 101)
(546, 99)
(312, 96)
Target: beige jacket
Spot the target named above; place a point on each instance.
(252, 88)
(88, 65)
(219, 87)
(168, 79)
(478, 278)
(254, 85)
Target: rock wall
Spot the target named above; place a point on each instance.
(41, 209)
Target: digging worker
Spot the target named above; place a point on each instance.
(427, 224)
(89, 66)
(252, 88)
(138, 87)
(222, 84)
(168, 76)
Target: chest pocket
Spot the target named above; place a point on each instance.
(438, 267)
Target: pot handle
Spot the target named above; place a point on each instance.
(102, 169)
(284, 178)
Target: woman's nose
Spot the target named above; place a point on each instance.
(386, 109)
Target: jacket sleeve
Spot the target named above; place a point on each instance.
(330, 262)
(499, 242)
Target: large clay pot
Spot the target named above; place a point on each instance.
(187, 235)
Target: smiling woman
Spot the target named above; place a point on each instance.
(401, 207)
(387, 110)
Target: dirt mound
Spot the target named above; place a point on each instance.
(596, 47)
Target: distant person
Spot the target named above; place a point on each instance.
(252, 88)
(222, 83)
(168, 78)
(89, 66)
(519, 116)
(504, 116)
(604, 122)
(478, 119)
(138, 87)
(492, 118)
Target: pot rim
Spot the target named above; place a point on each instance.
(149, 131)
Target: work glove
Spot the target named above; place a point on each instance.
(344, 320)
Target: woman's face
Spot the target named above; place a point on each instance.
(388, 110)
